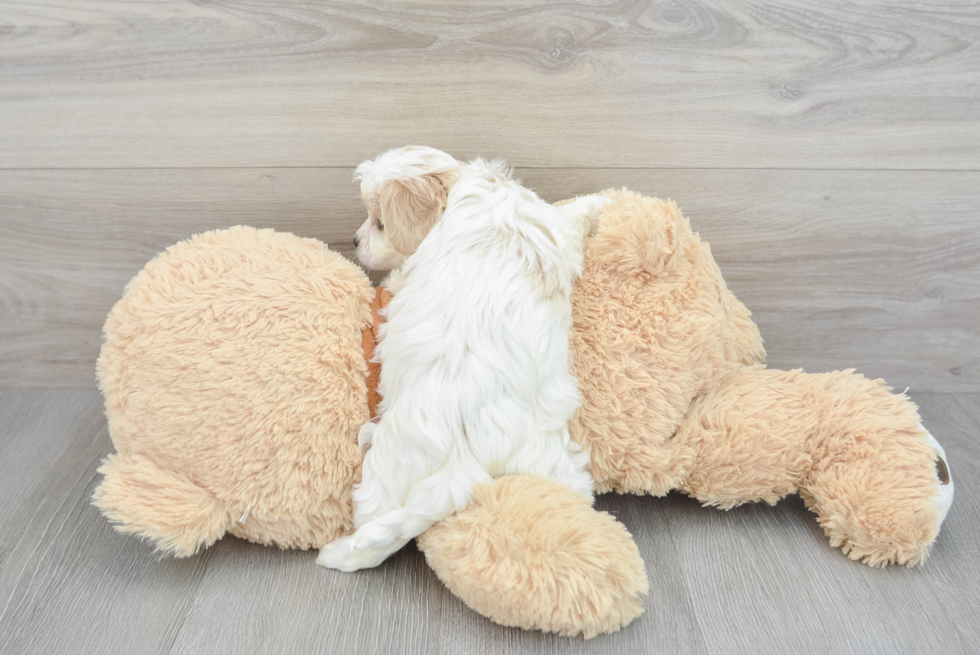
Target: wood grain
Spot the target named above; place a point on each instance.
(756, 579)
(67, 583)
(874, 270)
(615, 83)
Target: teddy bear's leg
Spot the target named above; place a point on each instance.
(531, 553)
(857, 453)
(885, 506)
(166, 508)
(879, 482)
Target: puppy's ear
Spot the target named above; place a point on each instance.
(411, 206)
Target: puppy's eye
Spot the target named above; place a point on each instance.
(380, 225)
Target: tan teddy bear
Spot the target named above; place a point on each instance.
(236, 379)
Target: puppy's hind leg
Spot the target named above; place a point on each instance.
(350, 553)
(376, 540)
(430, 500)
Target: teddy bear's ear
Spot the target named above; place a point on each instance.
(641, 234)
(140, 498)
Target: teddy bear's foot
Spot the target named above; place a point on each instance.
(531, 553)
(943, 481)
(883, 514)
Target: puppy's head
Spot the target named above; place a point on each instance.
(405, 192)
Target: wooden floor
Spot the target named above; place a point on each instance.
(756, 579)
(828, 150)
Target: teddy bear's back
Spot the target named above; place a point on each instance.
(234, 380)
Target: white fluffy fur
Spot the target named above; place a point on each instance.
(475, 359)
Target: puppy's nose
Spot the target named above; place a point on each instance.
(357, 241)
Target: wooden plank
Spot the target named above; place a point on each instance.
(36, 428)
(756, 579)
(68, 582)
(954, 419)
(286, 604)
(800, 83)
(875, 270)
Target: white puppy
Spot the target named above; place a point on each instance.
(475, 360)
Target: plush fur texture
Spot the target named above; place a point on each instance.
(531, 553)
(664, 352)
(234, 383)
(475, 379)
(235, 380)
(655, 327)
(674, 398)
(853, 450)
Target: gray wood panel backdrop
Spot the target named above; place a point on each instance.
(828, 151)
